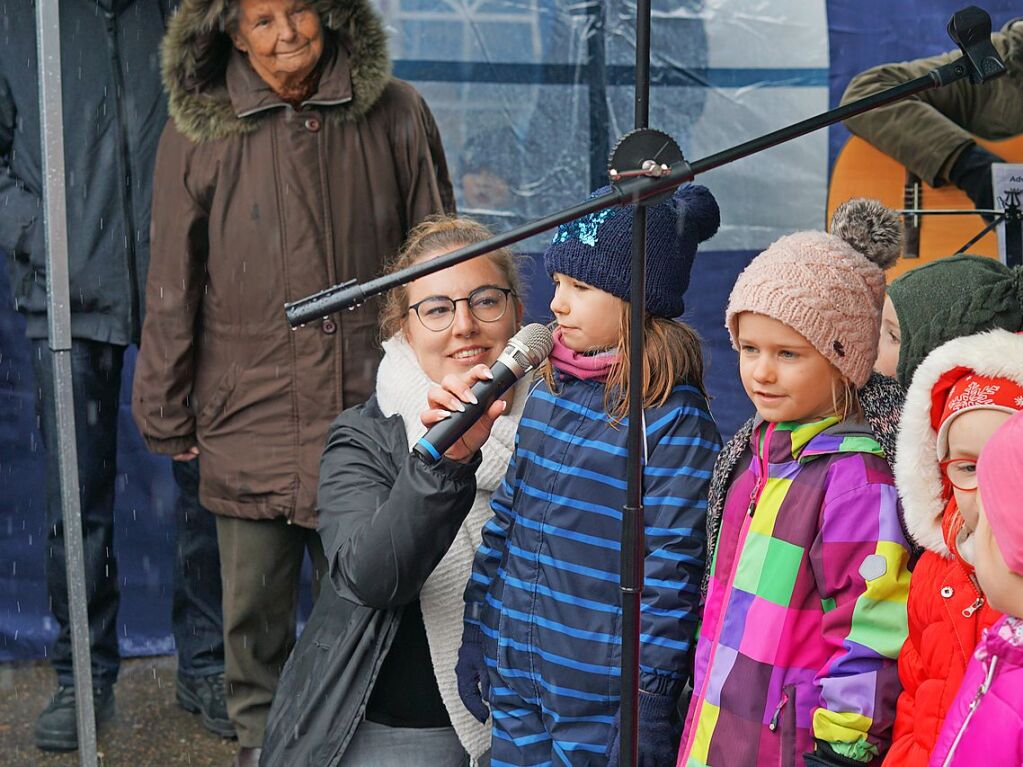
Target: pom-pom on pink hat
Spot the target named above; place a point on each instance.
(827, 287)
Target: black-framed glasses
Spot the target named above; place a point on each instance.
(487, 304)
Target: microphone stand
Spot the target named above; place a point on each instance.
(647, 166)
(633, 543)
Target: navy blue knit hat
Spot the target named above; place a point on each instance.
(597, 249)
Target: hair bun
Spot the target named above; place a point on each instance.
(870, 228)
(697, 208)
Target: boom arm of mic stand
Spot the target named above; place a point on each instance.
(348, 295)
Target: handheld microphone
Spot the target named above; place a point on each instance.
(524, 352)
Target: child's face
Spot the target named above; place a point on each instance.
(966, 437)
(785, 377)
(890, 342)
(1002, 587)
(589, 318)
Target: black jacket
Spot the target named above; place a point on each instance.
(114, 112)
(386, 521)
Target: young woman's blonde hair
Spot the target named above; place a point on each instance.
(441, 234)
(672, 355)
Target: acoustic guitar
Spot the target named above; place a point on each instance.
(861, 170)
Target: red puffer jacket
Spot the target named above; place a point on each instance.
(947, 612)
(945, 624)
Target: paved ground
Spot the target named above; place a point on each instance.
(149, 729)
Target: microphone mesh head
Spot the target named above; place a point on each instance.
(538, 340)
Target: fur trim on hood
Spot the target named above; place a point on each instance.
(994, 353)
(196, 52)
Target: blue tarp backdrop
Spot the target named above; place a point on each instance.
(530, 96)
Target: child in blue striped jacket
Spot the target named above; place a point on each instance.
(541, 640)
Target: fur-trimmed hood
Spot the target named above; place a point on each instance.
(994, 353)
(196, 53)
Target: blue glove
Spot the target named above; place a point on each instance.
(471, 672)
(659, 732)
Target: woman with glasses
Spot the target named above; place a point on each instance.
(959, 396)
(371, 681)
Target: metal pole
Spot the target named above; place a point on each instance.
(58, 296)
(599, 114)
(633, 539)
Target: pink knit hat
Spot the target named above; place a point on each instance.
(827, 287)
(1001, 489)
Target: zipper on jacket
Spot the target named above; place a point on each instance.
(777, 711)
(974, 705)
(761, 456)
(712, 653)
(979, 601)
(700, 696)
(134, 320)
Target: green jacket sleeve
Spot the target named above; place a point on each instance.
(928, 132)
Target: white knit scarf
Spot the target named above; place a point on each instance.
(401, 390)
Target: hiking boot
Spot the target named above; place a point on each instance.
(204, 695)
(57, 726)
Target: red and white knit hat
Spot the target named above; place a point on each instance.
(961, 390)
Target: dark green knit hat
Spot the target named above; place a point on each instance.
(949, 298)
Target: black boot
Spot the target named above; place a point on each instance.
(57, 726)
(204, 695)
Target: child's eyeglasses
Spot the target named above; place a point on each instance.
(960, 472)
(487, 304)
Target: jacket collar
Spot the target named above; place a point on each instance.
(805, 441)
(1005, 640)
(250, 94)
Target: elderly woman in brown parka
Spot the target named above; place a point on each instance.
(293, 160)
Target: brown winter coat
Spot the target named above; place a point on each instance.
(928, 132)
(256, 204)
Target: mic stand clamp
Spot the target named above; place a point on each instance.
(643, 153)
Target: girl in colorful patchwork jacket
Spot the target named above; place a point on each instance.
(541, 639)
(961, 393)
(806, 607)
(985, 722)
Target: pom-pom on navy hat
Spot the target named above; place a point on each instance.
(597, 249)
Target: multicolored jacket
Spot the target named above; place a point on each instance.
(985, 724)
(544, 585)
(806, 607)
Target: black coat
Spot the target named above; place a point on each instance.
(114, 111)
(386, 521)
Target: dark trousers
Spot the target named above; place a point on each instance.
(196, 616)
(261, 562)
